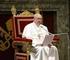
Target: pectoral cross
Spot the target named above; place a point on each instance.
(39, 36)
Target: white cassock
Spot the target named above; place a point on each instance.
(37, 34)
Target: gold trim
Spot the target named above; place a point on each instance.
(26, 13)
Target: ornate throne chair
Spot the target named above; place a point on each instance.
(21, 45)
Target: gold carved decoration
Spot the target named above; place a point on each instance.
(9, 25)
(26, 13)
(4, 41)
(37, 10)
(13, 10)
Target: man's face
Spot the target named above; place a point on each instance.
(38, 20)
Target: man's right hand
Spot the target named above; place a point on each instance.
(49, 45)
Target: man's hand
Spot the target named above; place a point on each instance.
(49, 45)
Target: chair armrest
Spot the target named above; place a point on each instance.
(22, 45)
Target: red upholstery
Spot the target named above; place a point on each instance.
(19, 24)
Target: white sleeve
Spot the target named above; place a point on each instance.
(46, 29)
(26, 33)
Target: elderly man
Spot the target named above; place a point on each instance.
(37, 32)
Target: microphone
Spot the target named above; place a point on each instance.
(45, 29)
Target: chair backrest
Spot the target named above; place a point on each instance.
(19, 22)
(21, 45)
